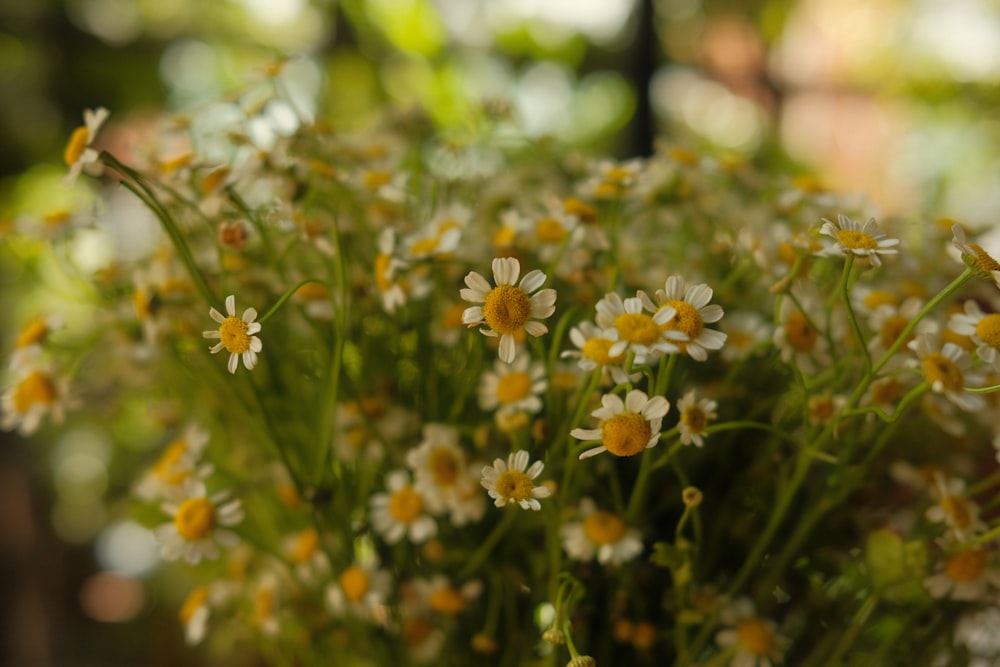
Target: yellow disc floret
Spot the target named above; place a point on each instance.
(513, 387)
(966, 566)
(514, 485)
(77, 144)
(988, 330)
(604, 528)
(195, 518)
(755, 636)
(687, 320)
(638, 328)
(853, 239)
(626, 434)
(354, 582)
(35, 389)
(196, 598)
(444, 466)
(447, 600)
(940, 369)
(596, 349)
(550, 230)
(801, 335)
(695, 419)
(506, 309)
(234, 336)
(406, 505)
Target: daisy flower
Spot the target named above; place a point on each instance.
(36, 391)
(236, 335)
(303, 551)
(953, 508)
(593, 351)
(78, 153)
(626, 427)
(438, 594)
(694, 419)
(888, 321)
(178, 464)
(602, 534)
(640, 327)
(797, 335)
(195, 530)
(513, 481)
(852, 238)
(402, 511)
(197, 608)
(360, 590)
(35, 332)
(964, 575)
(973, 255)
(692, 311)
(745, 331)
(983, 328)
(945, 370)
(508, 308)
(514, 387)
(755, 639)
(438, 464)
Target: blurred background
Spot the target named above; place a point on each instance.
(893, 98)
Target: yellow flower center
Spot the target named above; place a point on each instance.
(887, 391)
(305, 545)
(878, 297)
(354, 583)
(604, 528)
(35, 389)
(375, 179)
(234, 335)
(596, 349)
(853, 239)
(739, 340)
(638, 328)
(643, 636)
(444, 466)
(821, 409)
(984, 262)
(799, 333)
(988, 330)
(34, 332)
(550, 230)
(684, 156)
(312, 292)
(687, 320)
(213, 180)
(55, 219)
(166, 467)
(957, 510)
(966, 566)
(196, 598)
(513, 387)
(504, 236)
(406, 505)
(695, 419)
(447, 600)
(506, 309)
(582, 210)
(452, 316)
(514, 485)
(382, 278)
(626, 434)
(939, 368)
(755, 636)
(892, 328)
(416, 630)
(424, 246)
(263, 604)
(195, 518)
(77, 144)
(617, 174)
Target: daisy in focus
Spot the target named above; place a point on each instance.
(508, 308)
(852, 238)
(626, 427)
(602, 534)
(236, 335)
(514, 481)
(641, 327)
(199, 525)
(692, 311)
(78, 153)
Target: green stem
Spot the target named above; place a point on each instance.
(482, 553)
(845, 280)
(848, 638)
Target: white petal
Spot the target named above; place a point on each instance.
(519, 460)
(234, 362)
(592, 452)
(508, 348)
(249, 315)
(478, 284)
(532, 281)
(587, 433)
(535, 328)
(711, 313)
(699, 296)
(231, 305)
(217, 316)
(506, 270)
(636, 400)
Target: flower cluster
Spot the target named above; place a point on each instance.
(505, 399)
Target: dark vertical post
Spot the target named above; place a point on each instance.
(644, 62)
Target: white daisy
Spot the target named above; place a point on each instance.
(513, 481)
(797, 336)
(236, 335)
(36, 391)
(196, 528)
(593, 351)
(953, 507)
(508, 308)
(179, 463)
(864, 240)
(983, 328)
(626, 427)
(401, 512)
(78, 153)
(438, 465)
(756, 639)
(973, 255)
(360, 590)
(695, 414)
(691, 312)
(639, 325)
(514, 387)
(945, 369)
(602, 534)
(964, 575)
(745, 331)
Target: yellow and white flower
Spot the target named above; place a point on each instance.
(691, 312)
(964, 575)
(983, 328)
(36, 391)
(508, 308)
(798, 336)
(626, 427)
(236, 335)
(402, 512)
(593, 351)
(199, 525)
(946, 370)
(177, 466)
(513, 481)
(360, 590)
(745, 331)
(852, 238)
(695, 414)
(954, 508)
(78, 153)
(640, 326)
(754, 640)
(443, 478)
(975, 256)
(514, 387)
(600, 534)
